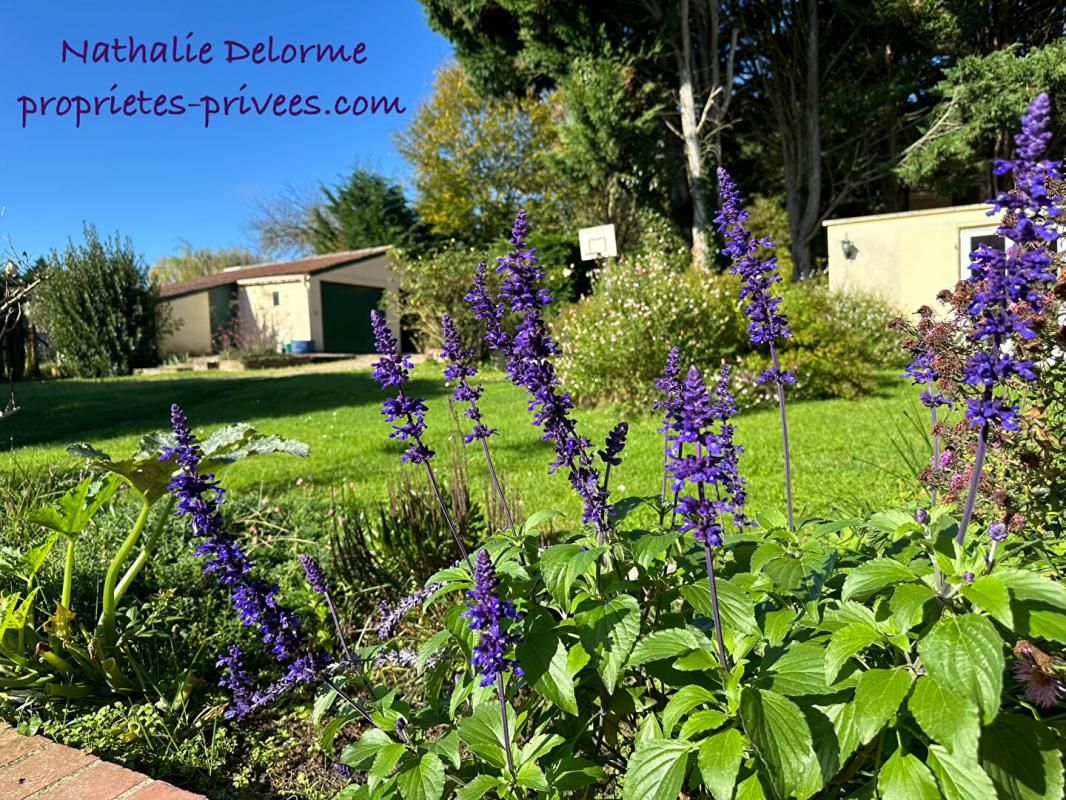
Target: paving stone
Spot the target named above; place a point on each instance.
(40, 770)
(14, 745)
(163, 791)
(99, 781)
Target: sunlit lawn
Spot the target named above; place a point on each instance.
(846, 453)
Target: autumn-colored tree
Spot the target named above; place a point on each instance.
(478, 160)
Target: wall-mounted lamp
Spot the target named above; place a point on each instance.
(849, 248)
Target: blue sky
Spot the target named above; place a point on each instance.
(162, 179)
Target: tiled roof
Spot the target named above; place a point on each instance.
(301, 266)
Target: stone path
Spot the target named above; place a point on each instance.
(35, 768)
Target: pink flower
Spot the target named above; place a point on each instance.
(947, 459)
(1042, 687)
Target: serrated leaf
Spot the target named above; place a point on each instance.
(562, 564)
(572, 773)
(482, 732)
(73, 512)
(959, 778)
(801, 670)
(904, 777)
(946, 718)
(684, 700)
(875, 575)
(477, 787)
(701, 722)
(358, 754)
(538, 518)
(657, 770)
(423, 781)
(532, 777)
(719, 762)
(907, 604)
(877, 698)
(668, 643)
(545, 661)
(735, 606)
(990, 594)
(779, 732)
(848, 641)
(385, 761)
(1022, 758)
(649, 546)
(1035, 621)
(966, 654)
(608, 632)
(1030, 586)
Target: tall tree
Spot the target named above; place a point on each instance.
(361, 210)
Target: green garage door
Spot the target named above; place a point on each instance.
(346, 317)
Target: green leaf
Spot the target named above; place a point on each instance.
(1037, 622)
(684, 700)
(734, 604)
(649, 546)
(990, 594)
(959, 778)
(386, 759)
(845, 643)
(358, 754)
(73, 511)
(719, 761)
(424, 781)
(801, 670)
(477, 787)
(751, 789)
(701, 722)
(945, 717)
(546, 664)
(538, 518)
(877, 698)
(875, 575)
(447, 747)
(483, 733)
(532, 777)
(609, 631)
(1031, 586)
(562, 564)
(966, 654)
(1022, 758)
(656, 770)
(575, 773)
(904, 777)
(777, 729)
(907, 604)
(669, 643)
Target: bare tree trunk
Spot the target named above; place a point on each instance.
(690, 137)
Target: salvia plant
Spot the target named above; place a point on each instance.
(677, 643)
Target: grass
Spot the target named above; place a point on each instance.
(849, 456)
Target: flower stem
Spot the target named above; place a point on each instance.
(68, 574)
(506, 731)
(359, 708)
(448, 516)
(713, 584)
(784, 436)
(337, 625)
(975, 481)
(936, 449)
(498, 488)
(107, 614)
(666, 461)
(146, 550)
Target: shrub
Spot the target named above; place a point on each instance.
(616, 340)
(100, 309)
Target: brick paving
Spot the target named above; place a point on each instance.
(35, 768)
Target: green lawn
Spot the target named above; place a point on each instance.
(845, 453)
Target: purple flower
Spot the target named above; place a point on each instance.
(392, 372)
(1006, 281)
(460, 367)
(712, 464)
(315, 577)
(486, 613)
(997, 532)
(200, 498)
(670, 385)
(615, 444)
(766, 321)
(921, 516)
(390, 618)
(529, 365)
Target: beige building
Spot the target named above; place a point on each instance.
(908, 257)
(321, 303)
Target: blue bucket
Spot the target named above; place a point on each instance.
(303, 346)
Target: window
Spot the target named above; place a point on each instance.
(277, 298)
(972, 238)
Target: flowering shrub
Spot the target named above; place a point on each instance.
(675, 642)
